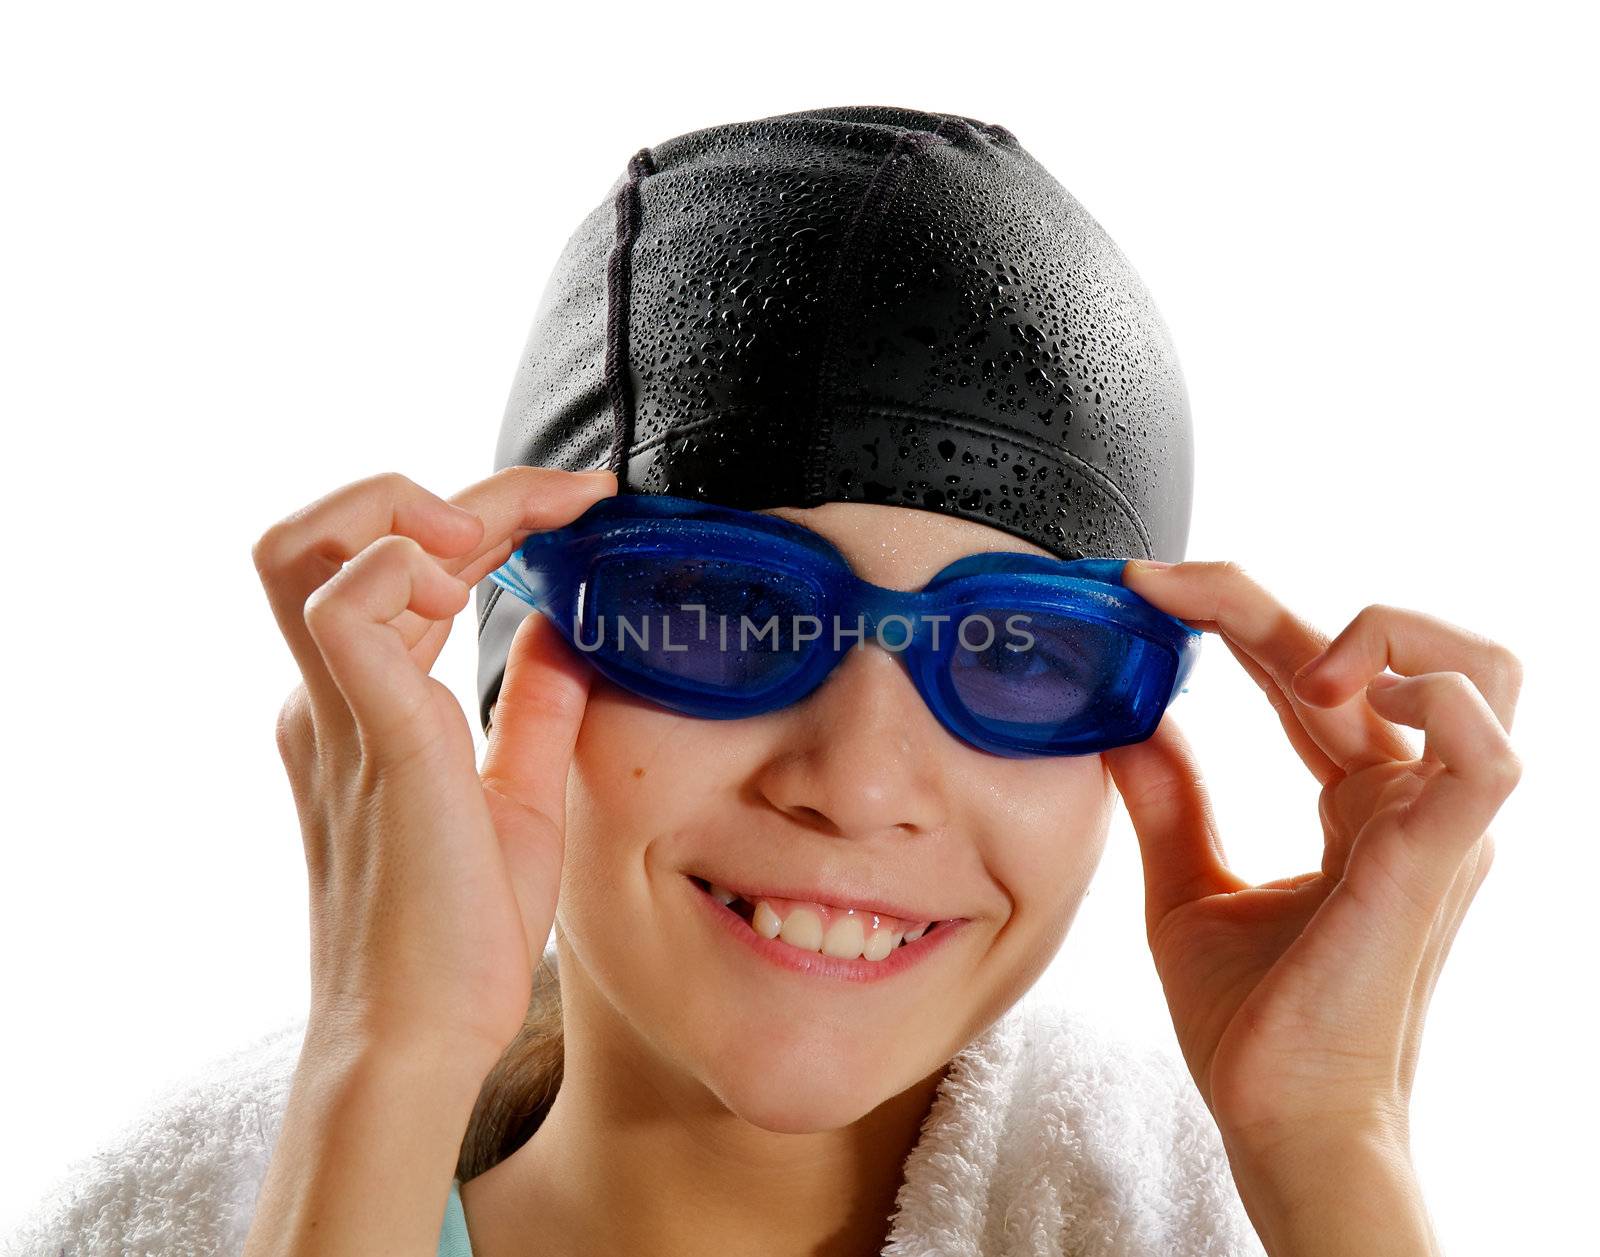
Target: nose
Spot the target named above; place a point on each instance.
(861, 754)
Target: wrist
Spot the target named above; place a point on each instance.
(1374, 1129)
(1332, 1190)
(370, 1140)
(444, 1077)
(341, 1039)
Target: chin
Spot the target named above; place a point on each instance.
(798, 1099)
(803, 1084)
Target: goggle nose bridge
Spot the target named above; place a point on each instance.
(876, 603)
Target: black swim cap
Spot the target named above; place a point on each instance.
(857, 304)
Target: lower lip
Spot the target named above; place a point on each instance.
(815, 963)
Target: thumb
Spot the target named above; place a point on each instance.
(1167, 802)
(531, 737)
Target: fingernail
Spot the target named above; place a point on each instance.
(1300, 678)
(1148, 564)
(1383, 681)
(1311, 665)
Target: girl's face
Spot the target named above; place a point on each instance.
(856, 791)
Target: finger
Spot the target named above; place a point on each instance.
(531, 738)
(1348, 803)
(348, 619)
(1351, 734)
(512, 503)
(1409, 643)
(518, 500)
(426, 649)
(1421, 851)
(300, 553)
(425, 638)
(1170, 808)
(1290, 882)
(1311, 755)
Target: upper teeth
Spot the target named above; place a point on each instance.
(843, 933)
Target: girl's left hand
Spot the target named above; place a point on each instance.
(1299, 1003)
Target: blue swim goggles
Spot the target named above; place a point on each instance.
(718, 612)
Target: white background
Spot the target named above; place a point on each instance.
(255, 252)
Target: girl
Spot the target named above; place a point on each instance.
(783, 1011)
(708, 1100)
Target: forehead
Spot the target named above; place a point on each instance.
(900, 546)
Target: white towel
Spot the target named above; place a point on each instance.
(1050, 1138)
(1046, 1138)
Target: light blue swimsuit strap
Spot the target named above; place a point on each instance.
(453, 1237)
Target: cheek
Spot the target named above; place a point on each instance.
(638, 772)
(641, 778)
(1049, 833)
(1050, 817)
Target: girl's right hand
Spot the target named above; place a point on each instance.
(433, 886)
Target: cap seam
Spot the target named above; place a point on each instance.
(999, 432)
(488, 606)
(953, 418)
(619, 285)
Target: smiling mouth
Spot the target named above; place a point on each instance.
(821, 929)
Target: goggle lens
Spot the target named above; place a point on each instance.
(1050, 680)
(714, 626)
